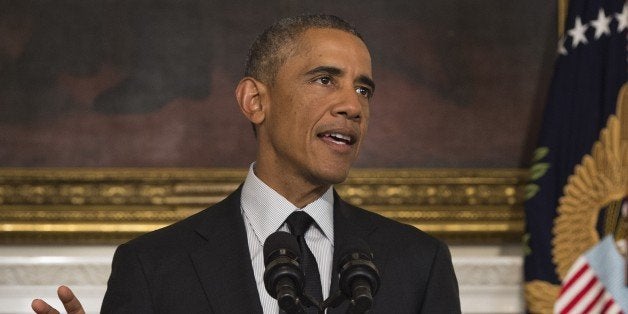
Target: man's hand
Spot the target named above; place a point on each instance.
(67, 297)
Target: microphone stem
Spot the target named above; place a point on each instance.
(287, 296)
(362, 300)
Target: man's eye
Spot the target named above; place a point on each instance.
(325, 80)
(364, 91)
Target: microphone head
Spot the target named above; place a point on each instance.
(283, 272)
(355, 248)
(356, 263)
(280, 243)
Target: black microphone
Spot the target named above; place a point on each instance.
(283, 277)
(359, 278)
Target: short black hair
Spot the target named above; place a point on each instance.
(271, 49)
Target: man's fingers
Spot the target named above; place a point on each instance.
(70, 302)
(41, 307)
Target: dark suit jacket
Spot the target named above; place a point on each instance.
(202, 265)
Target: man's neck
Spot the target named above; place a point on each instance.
(297, 191)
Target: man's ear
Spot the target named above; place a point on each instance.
(250, 95)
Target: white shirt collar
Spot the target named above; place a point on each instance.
(267, 210)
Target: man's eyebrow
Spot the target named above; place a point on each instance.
(367, 81)
(325, 69)
(363, 79)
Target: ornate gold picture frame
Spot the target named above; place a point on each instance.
(112, 205)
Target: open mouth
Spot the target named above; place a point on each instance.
(338, 138)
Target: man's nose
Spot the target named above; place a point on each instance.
(350, 105)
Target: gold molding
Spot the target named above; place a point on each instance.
(110, 205)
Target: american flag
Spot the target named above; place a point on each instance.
(595, 283)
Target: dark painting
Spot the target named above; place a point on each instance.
(150, 83)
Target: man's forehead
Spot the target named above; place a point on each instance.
(310, 36)
(332, 48)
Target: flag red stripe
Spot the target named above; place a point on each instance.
(575, 277)
(594, 301)
(577, 298)
(607, 305)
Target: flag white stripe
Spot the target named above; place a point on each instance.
(587, 298)
(614, 309)
(577, 265)
(568, 295)
(565, 296)
(600, 303)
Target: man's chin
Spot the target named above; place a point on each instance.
(333, 176)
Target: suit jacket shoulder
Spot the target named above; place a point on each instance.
(416, 271)
(198, 265)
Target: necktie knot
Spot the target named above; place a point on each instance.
(298, 223)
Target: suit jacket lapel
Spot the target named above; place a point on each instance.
(347, 224)
(224, 265)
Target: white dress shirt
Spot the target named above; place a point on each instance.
(265, 211)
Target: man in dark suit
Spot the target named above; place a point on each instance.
(307, 89)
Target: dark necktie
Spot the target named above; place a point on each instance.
(299, 222)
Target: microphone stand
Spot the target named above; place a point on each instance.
(336, 299)
(309, 301)
(302, 302)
